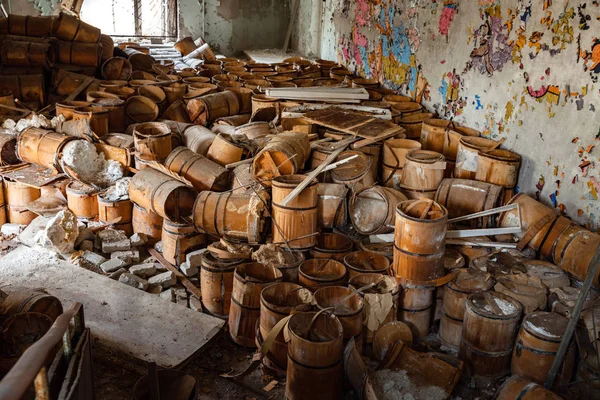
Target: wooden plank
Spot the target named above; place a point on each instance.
(180, 277)
(293, 17)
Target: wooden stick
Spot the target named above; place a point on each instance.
(180, 277)
(336, 164)
(238, 163)
(293, 17)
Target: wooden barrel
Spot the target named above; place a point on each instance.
(69, 28)
(18, 196)
(233, 216)
(98, 118)
(176, 112)
(42, 147)
(244, 96)
(111, 210)
(152, 141)
(154, 93)
(141, 109)
(463, 197)
(362, 262)
(260, 101)
(224, 151)
(383, 248)
(27, 88)
(500, 167)
(531, 293)
(174, 92)
(536, 347)
(488, 336)
(65, 108)
(162, 194)
(216, 284)
(405, 109)
(179, 239)
(347, 307)
(413, 123)
(147, 222)
(206, 109)
(116, 68)
(423, 170)
(26, 300)
(29, 25)
(82, 200)
(332, 208)
(315, 363)
(116, 113)
(456, 293)
(277, 301)
(420, 227)
(375, 198)
(200, 171)
(198, 139)
(468, 155)
(394, 158)
(26, 54)
(8, 150)
(443, 136)
(139, 61)
(77, 53)
(356, 174)
(285, 154)
(108, 47)
(248, 282)
(518, 388)
(415, 308)
(333, 246)
(317, 273)
(294, 224)
(185, 46)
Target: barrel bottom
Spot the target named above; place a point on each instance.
(309, 383)
(486, 365)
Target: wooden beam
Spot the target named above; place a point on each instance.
(293, 17)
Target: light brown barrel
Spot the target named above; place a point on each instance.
(244, 312)
(405, 109)
(116, 113)
(29, 25)
(295, 223)
(206, 109)
(116, 68)
(139, 60)
(424, 170)
(260, 101)
(488, 336)
(420, 227)
(254, 130)
(415, 308)
(42, 147)
(285, 154)
(141, 109)
(110, 210)
(384, 248)
(179, 239)
(413, 123)
(185, 46)
(383, 199)
(233, 216)
(108, 47)
(464, 196)
(27, 54)
(244, 96)
(162, 194)
(200, 171)
(147, 222)
(362, 262)
(277, 301)
(317, 273)
(394, 153)
(347, 307)
(154, 93)
(18, 196)
(224, 151)
(333, 246)
(77, 53)
(435, 136)
(174, 92)
(536, 347)
(216, 284)
(152, 141)
(468, 155)
(26, 300)
(98, 118)
(356, 174)
(518, 388)
(500, 167)
(315, 364)
(69, 28)
(198, 139)
(82, 200)
(455, 136)
(332, 207)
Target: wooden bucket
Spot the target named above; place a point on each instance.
(8, 150)
(441, 136)
(116, 68)
(277, 301)
(108, 47)
(420, 227)
(468, 155)
(18, 196)
(254, 130)
(139, 61)
(141, 109)
(206, 109)
(244, 96)
(384, 248)
(375, 198)
(500, 167)
(27, 88)
(285, 154)
(456, 134)
(174, 92)
(413, 123)
(333, 246)
(488, 336)
(456, 293)
(294, 224)
(200, 171)
(66, 108)
(356, 174)
(109, 211)
(315, 362)
(42, 147)
(116, 113)
(77, 53)
(244, 312)
(574, 250)
(216, 284)
(289, 265)
(152, 141)
(98, 117)
(393, 159)
(69, 28)
(415, 308)
(185, 46)
(347, 307)
(177, 112)
(363, 262)
(332, 208)
(25, 300)
(82, 200)
(179, 239)
(260, 101)
(198, 89)
(463, 197)
(536, 347)
(319, 272)
(162, 194)
(518, 388)
(198, 139)
(148, 223)
(423, 170)
(223, 151)
(26, 54)
(236, 217)
(29, 25)
(405, 108)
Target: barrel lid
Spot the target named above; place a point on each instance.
(494, 305)
(425, 156)
(80, 187)
(547, 272)
(503, 155)
(502, 262)
(546, 325)
(471, 280)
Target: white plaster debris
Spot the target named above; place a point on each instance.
(539, 330)
(60, 233)
(396, 385)
(90, 166)
(35, 121)
(506, 307)
(118, 191)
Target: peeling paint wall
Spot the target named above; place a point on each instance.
(523, 70)
(231, 26)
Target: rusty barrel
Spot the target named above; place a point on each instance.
(179, 239)
(322, 272)
(110, 210)
(380, 198)
(244, 312)
(148, 223)
(82, 200)
(203, 173)
(333, 246)
(295, 223)
(42, 147)
(347, 306)
(216, 284)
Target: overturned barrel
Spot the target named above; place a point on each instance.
(203, 173)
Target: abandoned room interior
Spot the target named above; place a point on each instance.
(299, 199)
